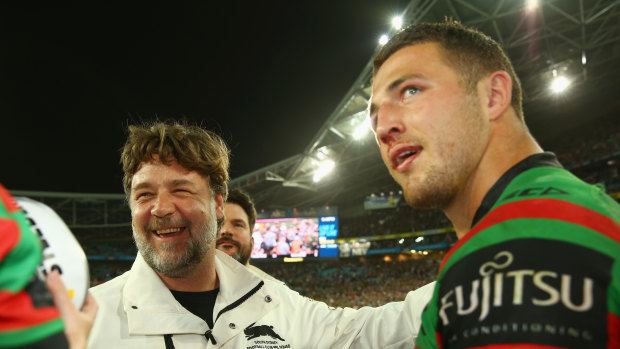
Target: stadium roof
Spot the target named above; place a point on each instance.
(578, 38)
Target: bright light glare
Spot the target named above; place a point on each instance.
(559, 84)
(401, 241)
(362, 129)
(420, 238)
(397, 22)
(531, 5)
(383, 39)
(325, 167)
(583, 58)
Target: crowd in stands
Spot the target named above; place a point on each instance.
(110, 250)
(392, 221)
(595, 158)
(598, 144)
(355, 282)
(415, 242)
(104, 270)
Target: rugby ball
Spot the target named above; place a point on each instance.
(61, 251)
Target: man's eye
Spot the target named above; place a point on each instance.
(142, 195)
(409, 91)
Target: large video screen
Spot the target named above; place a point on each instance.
(295, 237)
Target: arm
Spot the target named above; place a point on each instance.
(394, 325)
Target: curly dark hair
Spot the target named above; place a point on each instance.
(192, 147)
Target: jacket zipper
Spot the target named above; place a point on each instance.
(233, 305)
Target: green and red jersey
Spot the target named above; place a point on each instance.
(540, 268)
(28, 318)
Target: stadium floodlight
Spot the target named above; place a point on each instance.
(397, 22)
(583, 58)
(401, 241)
(324, 168)
(531, 5)
(420, 238)
(559, 84)
(322, 153)
(362, 129)
(383, 39)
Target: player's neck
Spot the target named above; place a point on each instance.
(508, 145)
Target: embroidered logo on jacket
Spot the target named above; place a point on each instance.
(252, 332)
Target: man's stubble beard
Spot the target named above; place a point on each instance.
(177, 265)
(243, 256)
(440, 185)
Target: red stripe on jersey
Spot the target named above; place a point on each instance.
(518, 345)
(544, 208)
(613, 329)
(18, 312)
(10, 236)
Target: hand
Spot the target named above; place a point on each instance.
(77, 322)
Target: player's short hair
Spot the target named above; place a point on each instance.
(468, 51)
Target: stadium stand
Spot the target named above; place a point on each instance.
(356, 282)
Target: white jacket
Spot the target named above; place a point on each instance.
(137, 311)
(262, 274)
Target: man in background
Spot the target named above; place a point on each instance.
(235, 236)
(538, 261)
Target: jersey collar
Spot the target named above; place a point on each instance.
(547, 159)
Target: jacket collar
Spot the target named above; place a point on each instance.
(152, 309)
(236, 280)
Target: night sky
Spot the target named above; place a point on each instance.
(264, 75)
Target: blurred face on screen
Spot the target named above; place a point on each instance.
(235, 237)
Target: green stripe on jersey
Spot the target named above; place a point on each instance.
(31, 334)
(21, 262)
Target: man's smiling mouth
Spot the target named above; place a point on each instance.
(168, 231)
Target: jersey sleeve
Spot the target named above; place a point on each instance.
(29, 317)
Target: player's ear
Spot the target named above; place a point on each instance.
(498, 92)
